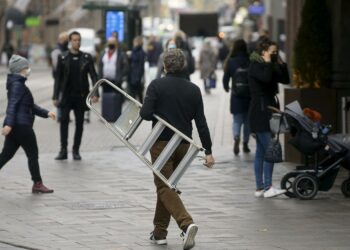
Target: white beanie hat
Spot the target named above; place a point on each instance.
(17, 64)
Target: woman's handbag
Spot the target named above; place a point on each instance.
(273, 152)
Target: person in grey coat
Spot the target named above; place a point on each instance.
(207, 64)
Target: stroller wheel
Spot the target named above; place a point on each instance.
(305, 186)
(345, 187)
(287, 183)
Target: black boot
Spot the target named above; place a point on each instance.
(236, 146)
(245, 147)
(76, 155)
(62, 155)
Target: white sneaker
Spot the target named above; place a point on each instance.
(272, 192)
(188, 236)
(259, 193)
(158, 241)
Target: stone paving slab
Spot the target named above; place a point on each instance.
(110, 206)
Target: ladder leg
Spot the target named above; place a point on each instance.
(183, 165)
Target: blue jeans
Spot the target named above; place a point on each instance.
(263, 169)
(238, 121)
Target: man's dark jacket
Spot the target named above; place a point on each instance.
(121, 68)
(177, 101)
(63, 70)
(21, 109)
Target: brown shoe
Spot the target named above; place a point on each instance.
(39, 187)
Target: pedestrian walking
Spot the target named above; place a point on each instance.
(177, 101)
(61, 47)
(183, 43)
(236, 70)
(170, 44)
(18, 124)
(9, 50)
(70, 92)
(113, 66)
(154, 50)
(266, 70)
(207, 64)
(137, 70)
(223, 50)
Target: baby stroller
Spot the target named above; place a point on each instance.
(311, 138)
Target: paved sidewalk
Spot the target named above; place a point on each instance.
(107, 200)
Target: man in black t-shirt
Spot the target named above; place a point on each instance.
(70, 92)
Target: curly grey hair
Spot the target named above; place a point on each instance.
(174, 60)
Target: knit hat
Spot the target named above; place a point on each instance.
(17, 64)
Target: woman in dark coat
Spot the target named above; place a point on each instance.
(266, 70)
(238, 58)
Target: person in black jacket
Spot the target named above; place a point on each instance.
(177, 101)
(266, 70)
(70, 92)
(137, 70)
(239, 105)
(18, 125)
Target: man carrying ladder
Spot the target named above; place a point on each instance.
(177, 101)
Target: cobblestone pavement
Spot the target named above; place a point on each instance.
(107, 200)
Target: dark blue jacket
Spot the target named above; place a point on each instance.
(238, 104)
(137, 67)
(21, 109)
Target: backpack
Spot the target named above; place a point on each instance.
(240, 86)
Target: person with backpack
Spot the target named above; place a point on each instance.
(236, 68)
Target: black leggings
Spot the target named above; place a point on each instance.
(25, 137)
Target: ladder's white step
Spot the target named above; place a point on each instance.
(167, 152)
(151, 139)
(183, 165)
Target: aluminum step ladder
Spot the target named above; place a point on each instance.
(129, 121)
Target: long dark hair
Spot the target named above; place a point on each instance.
(238, 47)
(264, 44)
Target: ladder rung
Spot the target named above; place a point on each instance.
(151, 139)
(167, 152)
(183, 165)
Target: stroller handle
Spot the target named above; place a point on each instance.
(274, 109)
